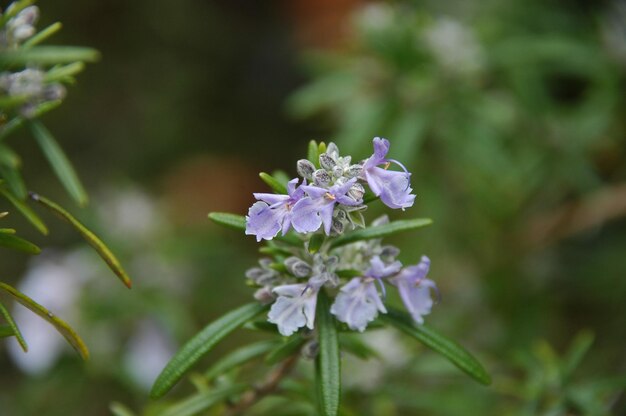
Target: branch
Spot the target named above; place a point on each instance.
(268, 386)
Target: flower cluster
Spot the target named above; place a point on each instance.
(27, 88)
(330, 197)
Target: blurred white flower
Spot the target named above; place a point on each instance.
(130, 212)
(454, 46)
(368, 375)
(55, 281)
(147, 353)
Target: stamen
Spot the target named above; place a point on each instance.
(330, 196)
(387, 165)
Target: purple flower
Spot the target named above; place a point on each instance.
(310, 212)
(294, 308)
(358, 302)
(273, 212)
(415, 288)
(393, 187)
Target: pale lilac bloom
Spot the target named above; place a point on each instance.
(393, 187)
(273, 212)
(415, 289)
(317, 208)
(358, 302)
(294, 308)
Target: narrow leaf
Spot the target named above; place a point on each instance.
(11, 241)
(64, 329)
(201, 344)
(13, 178)
(16, 122)
(26, 211)
(93, 240)
(16, 331)
(328, 364)
(238, 222)
(456, 354)
(202, 401)
(312, 154)
(234, 221)
(381, 231)
(59, 162)
(286, 349)
(64, 72)
(239, 357)
(48, 55)
(273, 183)
(6, 331)
(42, 35)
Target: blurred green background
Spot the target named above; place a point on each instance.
(511, 116)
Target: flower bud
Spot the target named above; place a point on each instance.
(356, 192)
(327, 162)
(321, 178)
(354, 171)
(337, 171)
(332, 150)
(297, 267)
(305, 168)
(337, 226)
(264, 295)
(389, 251)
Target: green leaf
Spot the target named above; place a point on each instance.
(238, 222)
(64, 329)
(6, 331)
(59, 162)
(284, 350)
(456, 354)
(239, 357)
(118, 409)
(10, 241)
(14, 180)
(93, 240)
(16, 122)
(313, 154)
(26, 211)
(202, 401)
(381, 231)
(48, 55)
(14, 329)
(316, 242)
(201, 344)
(65, 72)
(234, 221)
(273, 183)
(328, 364)
(42, 35)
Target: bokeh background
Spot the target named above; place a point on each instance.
(511, 116)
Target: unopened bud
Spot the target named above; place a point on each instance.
(264, 295)
(337, 226)
(389, 251)
(354, 171)
(297, 267)
(321, 177)
(356, 192)
(327, 162)
(305, 168)
(337, 171)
